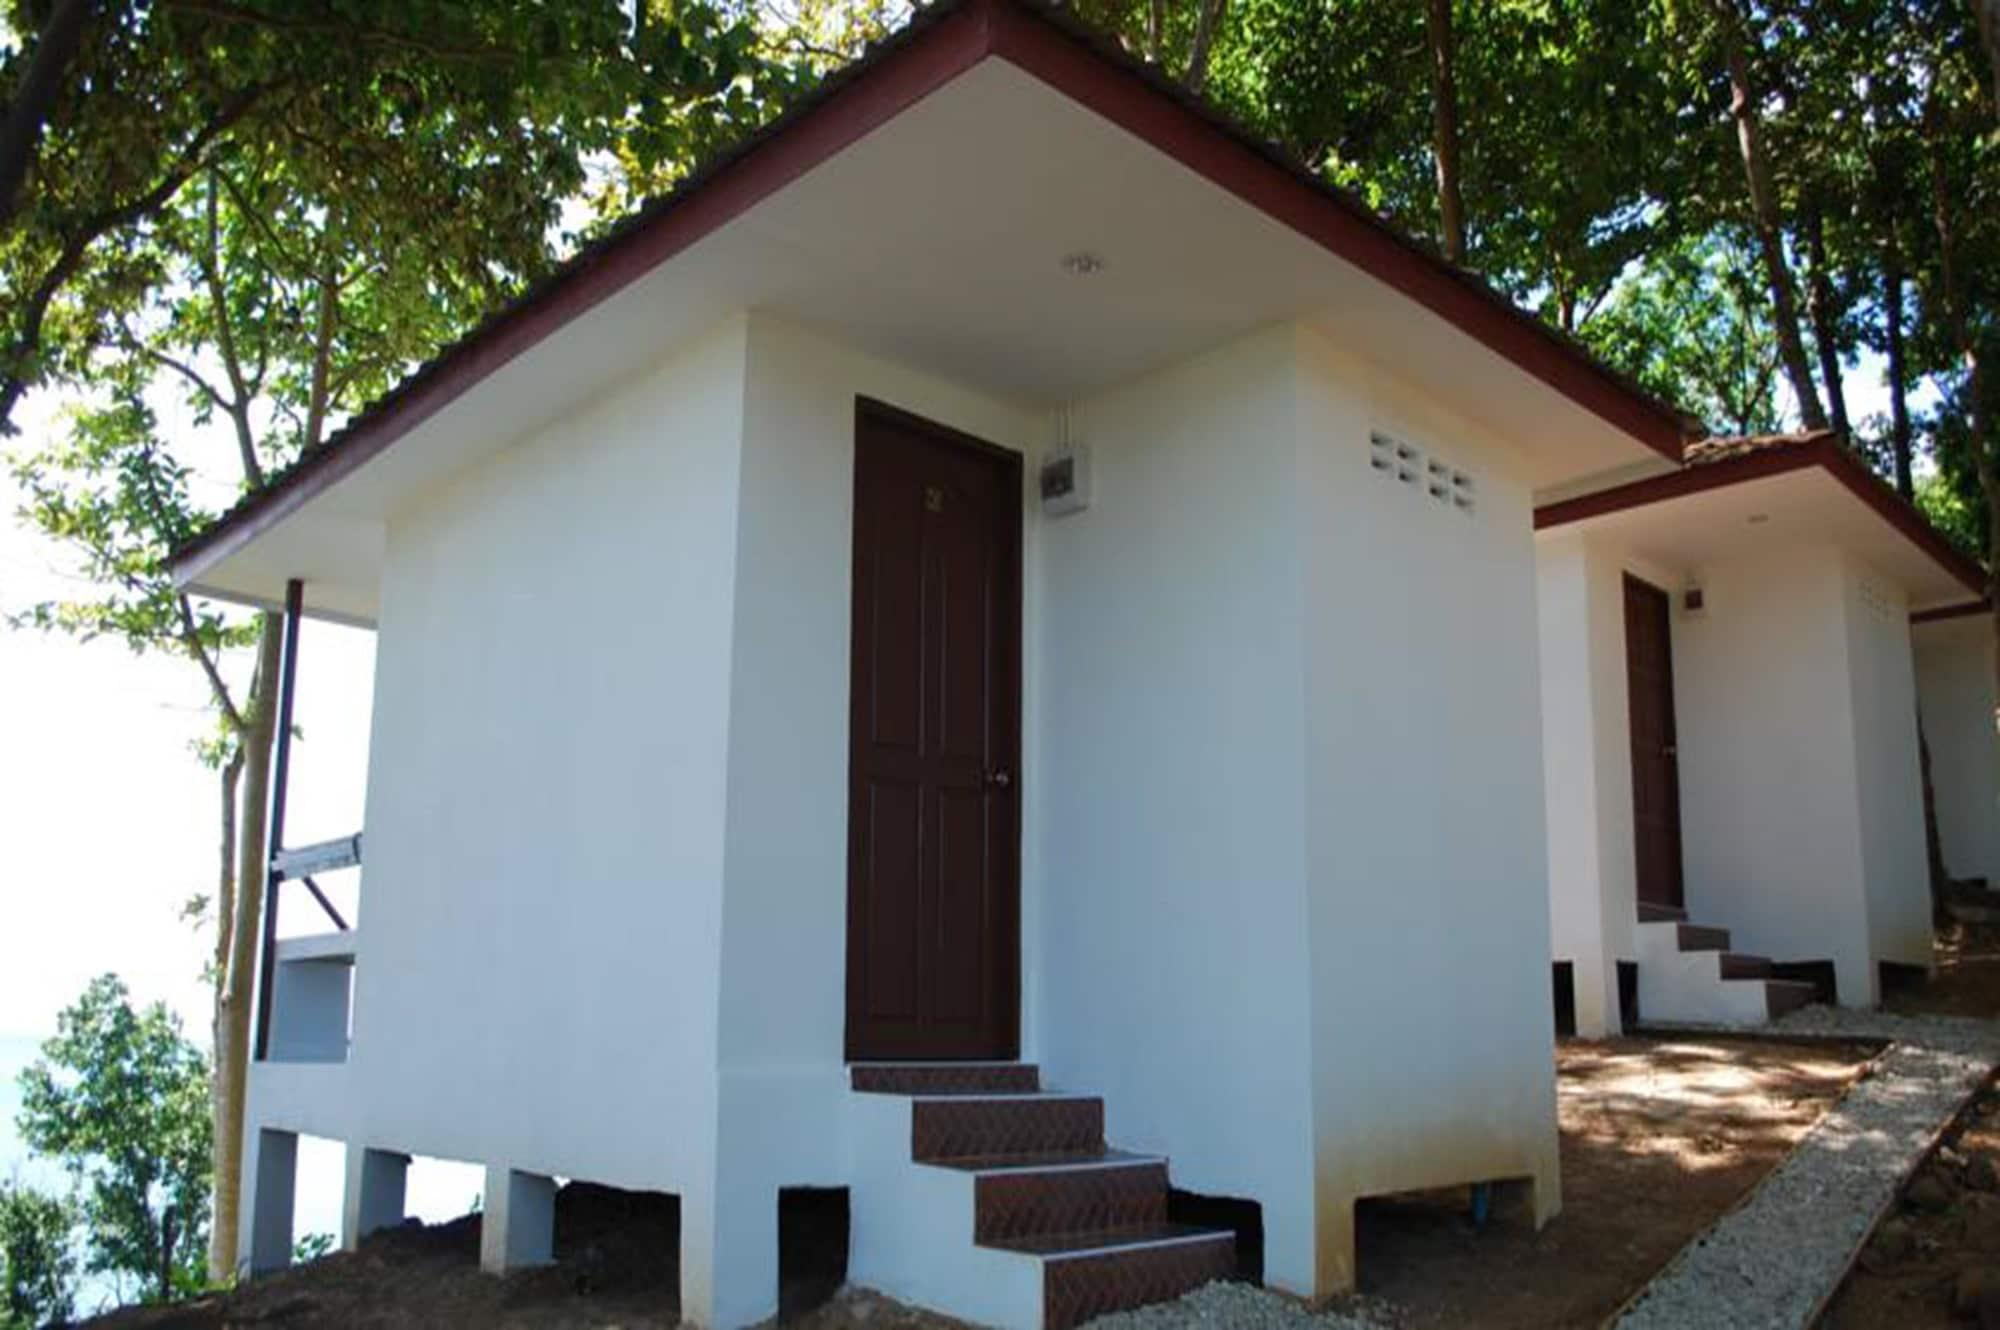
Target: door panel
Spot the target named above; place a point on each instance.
(933, 827)
(1656, 781)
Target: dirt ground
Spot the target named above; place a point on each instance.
(1965, 980)
(1931, 1263)
(1658, 1139)
(1935, 1262)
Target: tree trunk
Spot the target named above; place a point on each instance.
(1206, 24)
(167, 1252)
(48, 66)
(1989, 32)
(1769, 224)
(1444, 127)
(239, 984)
(221, 1235)
(1899, 398)
(1825, 321)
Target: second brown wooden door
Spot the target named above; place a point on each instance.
(1656, 778)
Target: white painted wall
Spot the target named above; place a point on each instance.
(1895, 869)
(1586, 727)
(1234, 898)
(1770, 798)
(545, 845)
(1954, 665)
(1169, 785)
(1426, 854)
(783, 1000)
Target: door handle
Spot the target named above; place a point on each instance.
(1671, 750)
(1000, 778)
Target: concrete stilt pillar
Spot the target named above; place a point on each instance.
(274, 1181)
(518, 1227)
(374, 1196)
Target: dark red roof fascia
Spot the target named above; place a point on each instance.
(1963, 611)
(1820, 450)
(943, 42)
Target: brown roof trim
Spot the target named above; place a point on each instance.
(1962, 611)
(944, 40)
(1773, 457)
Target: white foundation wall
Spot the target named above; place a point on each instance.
(1587, 770)
(1771, 812)
(1889, 780)
(1166, 773)
(1427, 873)
(542, 907)
(1954, 667)
(783, 1090)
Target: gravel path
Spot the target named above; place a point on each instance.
(1775, 1258)
(1232, 1306)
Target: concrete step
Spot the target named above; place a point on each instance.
(945, 1078)
(962, 1127)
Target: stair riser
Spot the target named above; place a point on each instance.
(891, 1078)
(1083, 1287)
(1695, 937)
(1009, 1206)
(1782, 998)
(942, 1129)
(1734, 966)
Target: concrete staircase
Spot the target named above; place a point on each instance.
(1689, 976)
(978, 1194)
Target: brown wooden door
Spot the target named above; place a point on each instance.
(933, 871)
(1656, 777)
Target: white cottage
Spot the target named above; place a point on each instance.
(1730, 712)
(998, 619)
(1955, 646)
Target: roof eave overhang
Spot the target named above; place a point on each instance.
(1824, 452)
(938, 46)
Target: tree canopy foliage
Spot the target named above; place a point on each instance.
(120, 1097)
(37, 1257)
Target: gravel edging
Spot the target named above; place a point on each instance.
(1231, 1305)
(1776, 1258)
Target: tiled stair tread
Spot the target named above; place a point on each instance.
(1067, 1246)
(946, 1078)
(1087, 1284)
(1046, 1160)
(1698, 937)
(988, 1126)
(1736, 965)
(1011, 1207)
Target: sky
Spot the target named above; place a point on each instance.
(108, 825)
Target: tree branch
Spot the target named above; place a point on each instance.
(345, 31)
(1204, 39)
(21, 131)
(27, 341)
